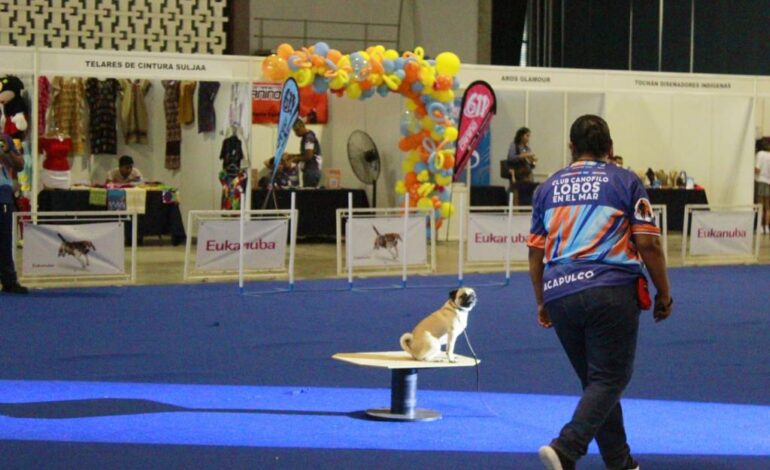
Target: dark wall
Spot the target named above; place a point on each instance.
(507, 31)
(730, 36)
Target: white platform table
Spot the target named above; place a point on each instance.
(403, 385)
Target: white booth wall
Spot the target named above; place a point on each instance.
(710, 137)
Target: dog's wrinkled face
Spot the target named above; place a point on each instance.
(464, 297)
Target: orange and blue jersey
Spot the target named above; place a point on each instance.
(583, 217)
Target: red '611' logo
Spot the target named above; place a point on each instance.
(477, 105)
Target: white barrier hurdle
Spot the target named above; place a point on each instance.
(87, 246)
(382, 241)
(721, 234)
(241, 244)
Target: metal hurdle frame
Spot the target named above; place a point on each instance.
(372, 213)
(697, 260)
(79, 216)
(662, 223)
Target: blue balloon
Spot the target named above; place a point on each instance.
(417, 86)
(358, 62)
(388, 65)
(320, 85)
(383, 90)
(445, 196)
(293, 62)
(420, 166)
(368, 93)
(455, 83)
(321, 48)
(399, 63)
(400, 74)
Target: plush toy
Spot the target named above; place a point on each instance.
(14, 108)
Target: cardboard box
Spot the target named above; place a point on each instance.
(333, 178)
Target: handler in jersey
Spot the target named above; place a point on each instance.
(592, 234)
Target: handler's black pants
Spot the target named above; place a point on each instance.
(7, 268)
(598, 330)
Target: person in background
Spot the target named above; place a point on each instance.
(521, 162)
(592, 234)
(762, 178)
(309, 157)
(617, 160)
(11, 161)
(125, 173)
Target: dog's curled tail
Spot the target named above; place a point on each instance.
(406, 340)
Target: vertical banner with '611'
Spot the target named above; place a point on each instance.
(289, 114)
(478, 107)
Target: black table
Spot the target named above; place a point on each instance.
(317, 208)
(158, 219)
(675, 200)
(489, 196)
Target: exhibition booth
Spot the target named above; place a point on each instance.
(695, 132)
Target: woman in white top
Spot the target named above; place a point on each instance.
(762, 177)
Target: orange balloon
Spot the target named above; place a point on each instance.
(411, 71)
(443, 83)
(410, 179)
(334, 55)
(284, 51)
(439, 222)
(449, 161)
(275, 68)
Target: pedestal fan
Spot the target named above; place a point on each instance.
(365, 160)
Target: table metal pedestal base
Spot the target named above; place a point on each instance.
(403, 400)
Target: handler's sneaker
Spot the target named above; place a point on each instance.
(631, 464)
(553, 460)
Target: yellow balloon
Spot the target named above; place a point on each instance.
(407, 165)
(425, 189)
(391, 54)
(427, 77)
(445, 96)
(450, 134)
(423, 176)
(304, 77)
(442, 180)
(411, 105)
(354, 90)
(400, 187)
(447, 63)
(428, 123)
(425, 204)
(339, 80)
(447, 209)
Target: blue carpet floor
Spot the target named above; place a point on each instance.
(199, 376)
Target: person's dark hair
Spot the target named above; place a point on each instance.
(520, 135)
(590, 134)
(125, 160)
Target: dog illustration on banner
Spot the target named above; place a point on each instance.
(77, 249)
(387, 241)
(440, 327)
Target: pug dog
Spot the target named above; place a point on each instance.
(440, 327)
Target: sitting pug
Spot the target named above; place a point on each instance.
(440, 327)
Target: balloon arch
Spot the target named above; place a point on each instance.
(428, 127)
